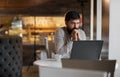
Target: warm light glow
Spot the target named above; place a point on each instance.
(33, 26)
(6, 32)
(44, 22)
(107, 1)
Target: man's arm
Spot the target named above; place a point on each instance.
(60, 45)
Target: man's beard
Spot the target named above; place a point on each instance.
(70, 30)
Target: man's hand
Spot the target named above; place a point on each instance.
(75, 35)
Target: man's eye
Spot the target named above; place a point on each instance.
(74, 23)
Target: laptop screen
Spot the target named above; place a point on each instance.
(86, 49)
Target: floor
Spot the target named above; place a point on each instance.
(31, 71)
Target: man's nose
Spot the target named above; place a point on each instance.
(75, 26)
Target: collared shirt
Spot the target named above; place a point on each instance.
(63, 42)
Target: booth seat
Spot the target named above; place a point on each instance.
(10, 56)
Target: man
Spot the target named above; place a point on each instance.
(65, 36)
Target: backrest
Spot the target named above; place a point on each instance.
(10, 56)
(98, 65)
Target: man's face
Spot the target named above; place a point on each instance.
(73, 24)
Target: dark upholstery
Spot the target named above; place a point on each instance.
(10, 56)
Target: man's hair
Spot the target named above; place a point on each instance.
(71, 15)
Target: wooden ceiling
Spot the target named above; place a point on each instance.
(19, 4)
(39, 7)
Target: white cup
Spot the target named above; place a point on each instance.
(57, 57)
(43, 55)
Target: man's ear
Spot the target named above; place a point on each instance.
(80, 26)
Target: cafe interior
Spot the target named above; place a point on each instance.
(32, 24)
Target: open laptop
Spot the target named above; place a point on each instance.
(86, 49)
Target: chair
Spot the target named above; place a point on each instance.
(97, 65)
(44, 42)
(49, 46)
(10, 56)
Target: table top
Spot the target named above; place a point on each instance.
(48, 63)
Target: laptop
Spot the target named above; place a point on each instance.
(86, 49)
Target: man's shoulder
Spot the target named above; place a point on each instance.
(81, 30)
(61, 30)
